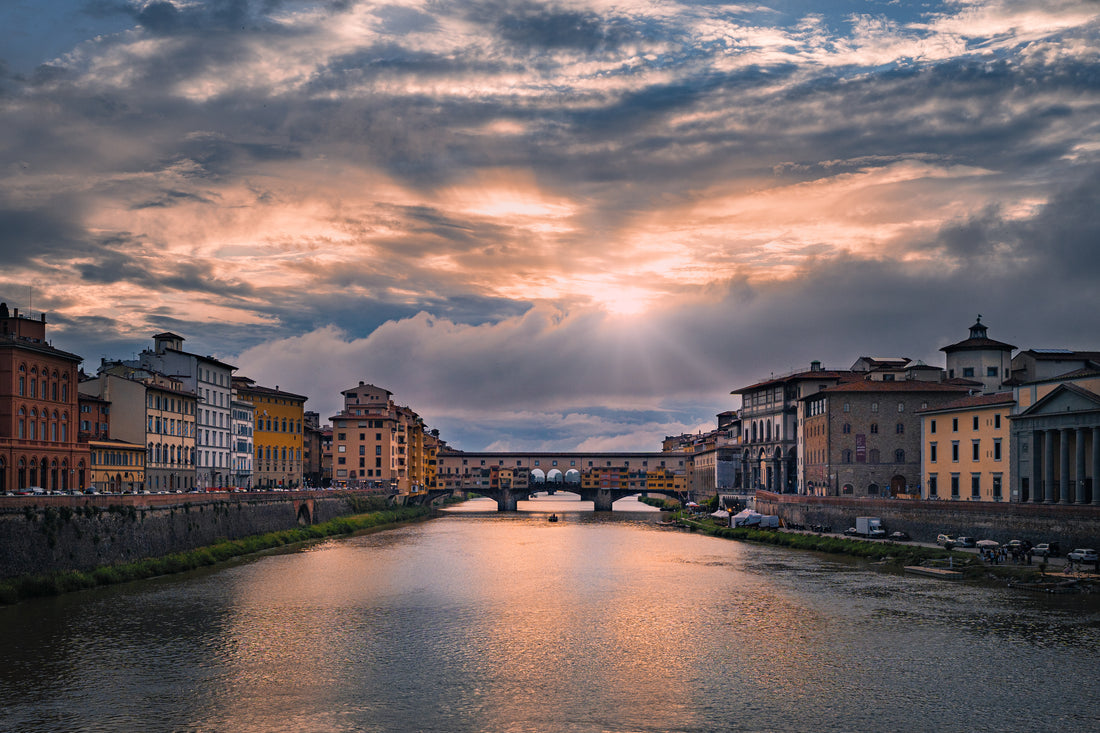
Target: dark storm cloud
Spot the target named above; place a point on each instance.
(1060, 244)
(28, 234)
(124, 259)
(546, 27)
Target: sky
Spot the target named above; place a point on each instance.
(550, 225)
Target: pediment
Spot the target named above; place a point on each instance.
(1065, 398)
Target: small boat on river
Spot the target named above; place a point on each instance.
(553, 518)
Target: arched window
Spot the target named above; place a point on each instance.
(847, 489)
(874, 427)
(847, 428)
(899, 456)
(901, 428)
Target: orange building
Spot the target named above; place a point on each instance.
(377, 443)
(277, 438)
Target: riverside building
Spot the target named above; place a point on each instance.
(379, 444)
(39, 444)
(153, 410)
(277, 436)
(210, 380)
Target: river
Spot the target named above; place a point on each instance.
(476, 621)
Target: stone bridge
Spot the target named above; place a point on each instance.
(507, 499)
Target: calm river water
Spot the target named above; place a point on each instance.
(485, 622)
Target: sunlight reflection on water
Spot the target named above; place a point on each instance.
(507, 622)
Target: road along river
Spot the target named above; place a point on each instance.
(478, 621)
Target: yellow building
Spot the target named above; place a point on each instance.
(117, 466)
(277, 439)
(966, 447)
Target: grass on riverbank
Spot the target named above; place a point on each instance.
(889, 555)
(17, 589)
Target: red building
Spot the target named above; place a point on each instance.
(39, 443)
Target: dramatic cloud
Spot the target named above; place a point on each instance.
(550, 224)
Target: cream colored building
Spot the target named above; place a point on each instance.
(966, 447)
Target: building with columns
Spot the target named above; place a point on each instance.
(769, 426)
(1056, 439)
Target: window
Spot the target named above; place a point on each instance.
(847, 408)
(954, 486)
(997, 421)
(968, 372)
(975, 450)
(931, 452)
(975, 426)
(996, 488)
(872, 456)
(900, 428)
(874, 407)
(899, 456)
(901, 407)
(954, 425)
(874, 427)
(954, 451)
(996, 449)
(932, 426)
(975, 485)
(846, 457)
(991, 371)
(846, 429)
(932, 485)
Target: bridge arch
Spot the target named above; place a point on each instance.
(538, 476)
(573, 476)
(554, 476)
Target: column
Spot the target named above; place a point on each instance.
(1048, 466)
(1036, 474)
(1096, 466)
(1063, 465)
(1079, 477)
(782, 475)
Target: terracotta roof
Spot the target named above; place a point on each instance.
(984, 400)
(911, 385)
(976, 344)
(806, 375)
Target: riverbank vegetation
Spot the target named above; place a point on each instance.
(372, 514)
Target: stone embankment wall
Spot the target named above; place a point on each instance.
(45, 534)
(1070, 525)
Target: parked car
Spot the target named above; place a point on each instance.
(964, 541)
(941, 538)
(1047, 549)
(899, 536)
(852, 532)
(1082, 554)
(1019, 545)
